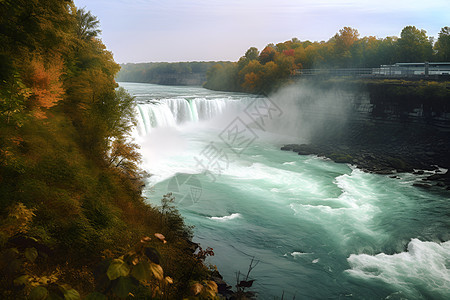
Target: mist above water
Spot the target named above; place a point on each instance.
(294, 114)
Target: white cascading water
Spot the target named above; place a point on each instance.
(176, 111)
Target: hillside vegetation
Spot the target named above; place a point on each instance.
(73, 222)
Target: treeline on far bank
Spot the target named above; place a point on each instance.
(262, 72)
(73, 222)
(181, 73)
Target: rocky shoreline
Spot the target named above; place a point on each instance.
(379, 161)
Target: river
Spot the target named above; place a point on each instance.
(320, 230)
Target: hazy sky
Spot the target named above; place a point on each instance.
(170, 30)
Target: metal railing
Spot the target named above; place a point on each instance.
(334, 72)
(383, 71)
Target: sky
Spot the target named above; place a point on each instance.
(222, 30)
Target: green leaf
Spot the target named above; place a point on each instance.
(142, 271)
(95, 296)
(117, 268)
(71, 295)
(122, 286)
(21, 280)
(157, 271)
(31, 254)
(38, 293)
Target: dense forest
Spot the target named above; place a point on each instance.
(156, 72)
(73, 222)
(263, 71)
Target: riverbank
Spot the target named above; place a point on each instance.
(387, 148)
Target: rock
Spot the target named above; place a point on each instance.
(422, 185)
(397, 163)
(288, 147)
(394, 176)
(441, 184)
(192, 247)
(305, 149)
(419, 172)
(434, 177)
(341, 158)
(384, 172)
(221, 284)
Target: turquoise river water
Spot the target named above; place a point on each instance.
(320, 230)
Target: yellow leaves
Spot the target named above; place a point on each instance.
(19, 217)
(168, 280)
(207, 289)
(346, 37)
(251, 81)
(45, 83)
(157, 271)
(125, 156)
(196, 288)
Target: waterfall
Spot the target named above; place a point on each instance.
(171, 112)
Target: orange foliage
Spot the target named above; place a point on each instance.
(251, 81)
(268, 54)
(45, 84)
(346, 38)
(289, 52)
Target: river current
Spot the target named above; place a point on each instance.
(319, 229)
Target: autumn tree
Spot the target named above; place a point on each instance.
(343, 42)
(45, 84)
(286, 66)
(252, 73)
(268, 54)
(346, 37)
(346, 49)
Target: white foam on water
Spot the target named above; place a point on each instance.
(424, 269)
(226, 218)
(297, 254)
(352, 211)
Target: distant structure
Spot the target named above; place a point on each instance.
(413, 69)
(398, 70)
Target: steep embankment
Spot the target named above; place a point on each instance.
(72, 218)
